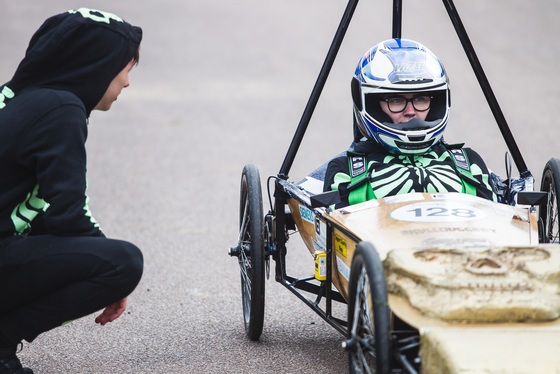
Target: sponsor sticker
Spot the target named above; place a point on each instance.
(340, 245)
(316, 246)
(321, 232)
(343, 269)
(358, 207)
(306, 214)
(404, 197)
(439, 196)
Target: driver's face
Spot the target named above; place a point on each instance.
(407, 114)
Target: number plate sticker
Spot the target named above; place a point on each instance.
(437, 211)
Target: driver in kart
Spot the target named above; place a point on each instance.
(401, 106)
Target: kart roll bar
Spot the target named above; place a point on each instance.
(397, 27)
(317, 89)
(485, 85)
(397, 19)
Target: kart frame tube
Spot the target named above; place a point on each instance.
(397, 28)
(325, 289)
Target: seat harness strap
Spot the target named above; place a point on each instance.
(360, 187)
(462, 165)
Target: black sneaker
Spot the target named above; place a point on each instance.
(11, 365)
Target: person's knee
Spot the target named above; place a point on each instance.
(130, 264)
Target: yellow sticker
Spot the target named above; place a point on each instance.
(340, 245)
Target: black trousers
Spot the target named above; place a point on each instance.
(48, 280)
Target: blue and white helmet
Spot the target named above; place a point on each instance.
(400, 66)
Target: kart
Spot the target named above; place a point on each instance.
(432, 282)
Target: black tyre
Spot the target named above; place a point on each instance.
(550, 183)
(251, 251)
(368, 314)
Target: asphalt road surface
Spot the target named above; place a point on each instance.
(223, 83)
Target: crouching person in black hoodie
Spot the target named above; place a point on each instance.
(55, 263)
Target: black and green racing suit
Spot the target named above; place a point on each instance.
(374, 173)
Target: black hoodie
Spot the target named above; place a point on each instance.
(44, 111)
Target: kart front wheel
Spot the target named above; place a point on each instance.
(550, 183)
(251, 251)
(368, 341)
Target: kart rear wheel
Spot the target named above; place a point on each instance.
(368, 341)
(550, 183)
(251, 251)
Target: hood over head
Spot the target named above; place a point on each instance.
(79, 51)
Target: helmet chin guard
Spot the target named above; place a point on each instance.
(393, 67)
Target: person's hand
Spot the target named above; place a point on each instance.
(112, 312)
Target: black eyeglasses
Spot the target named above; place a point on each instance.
(397, 104)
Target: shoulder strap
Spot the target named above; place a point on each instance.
(359, 188)
(462, 165)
